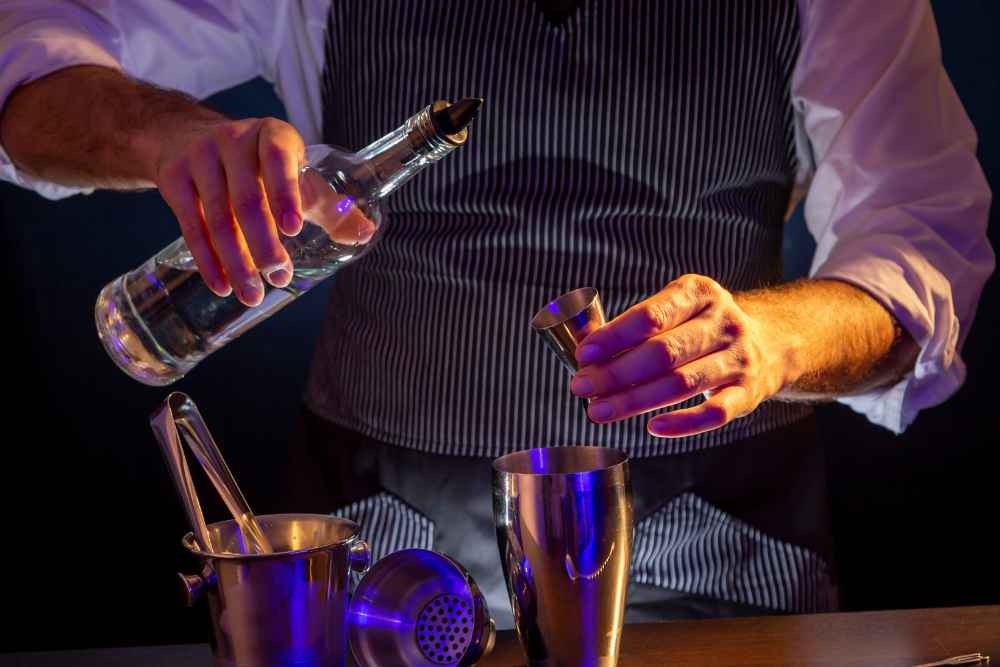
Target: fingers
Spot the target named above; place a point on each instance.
(650, 359)
(239, 155)
(281, 152)
(691, 338)
(336, 213)
(725, 405)
(210, 180)
(678, 385)
(352, 228)
(180, 194)
(676, 303)
(233, 185)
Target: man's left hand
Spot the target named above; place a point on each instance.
(690, 338)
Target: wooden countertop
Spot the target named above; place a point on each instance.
(875, 639)
(872, 639)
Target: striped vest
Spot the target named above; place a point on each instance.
(635, 141)
(632, 143)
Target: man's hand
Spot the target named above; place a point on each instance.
(804, 340)
(690, 338)
(234, 186)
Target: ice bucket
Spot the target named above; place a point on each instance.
(288, 608)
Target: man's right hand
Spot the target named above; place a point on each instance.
(234, 186)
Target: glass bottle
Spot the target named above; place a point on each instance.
(158, 321)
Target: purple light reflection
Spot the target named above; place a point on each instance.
(345, 205)
(366, 615)
(538, 460)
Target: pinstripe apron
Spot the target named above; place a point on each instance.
(628, 144)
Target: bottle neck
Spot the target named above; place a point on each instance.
(398, 156)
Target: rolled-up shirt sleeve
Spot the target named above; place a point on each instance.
(197, 47)
(898, 204)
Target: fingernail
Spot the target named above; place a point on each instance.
(581, 386)
(291, 223)
(659, 428)
(221, 288)
(279, 277)
(601, 410)
(253, 291)
(588, 353)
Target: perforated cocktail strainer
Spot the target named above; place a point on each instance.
(419, 608)
(444, 629)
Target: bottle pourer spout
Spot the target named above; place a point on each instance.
(453, 118)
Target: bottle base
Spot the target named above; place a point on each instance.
(126, 341)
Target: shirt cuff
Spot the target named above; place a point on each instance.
(896, 407)
(29, 54)
(10, 173)
(939, 371)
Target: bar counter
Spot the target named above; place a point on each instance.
(875, 639)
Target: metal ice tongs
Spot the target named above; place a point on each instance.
(967, 659)
(178, 413)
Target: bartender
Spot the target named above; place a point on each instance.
(648, 149)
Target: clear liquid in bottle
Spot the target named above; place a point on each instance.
(160, 320)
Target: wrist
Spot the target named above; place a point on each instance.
(146, 147)
(782, 343)
(165, 120)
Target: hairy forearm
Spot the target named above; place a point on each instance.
(835, 338)
(94, 127)
(232, 184)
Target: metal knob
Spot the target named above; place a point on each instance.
(360, 558)
(192, 585)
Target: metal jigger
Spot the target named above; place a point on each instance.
(567, 320)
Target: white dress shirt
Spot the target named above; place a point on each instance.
(896, 199)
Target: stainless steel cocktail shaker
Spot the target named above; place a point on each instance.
(564, 527)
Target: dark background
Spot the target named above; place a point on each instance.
(91, 523)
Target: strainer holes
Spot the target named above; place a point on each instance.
(442, 631)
